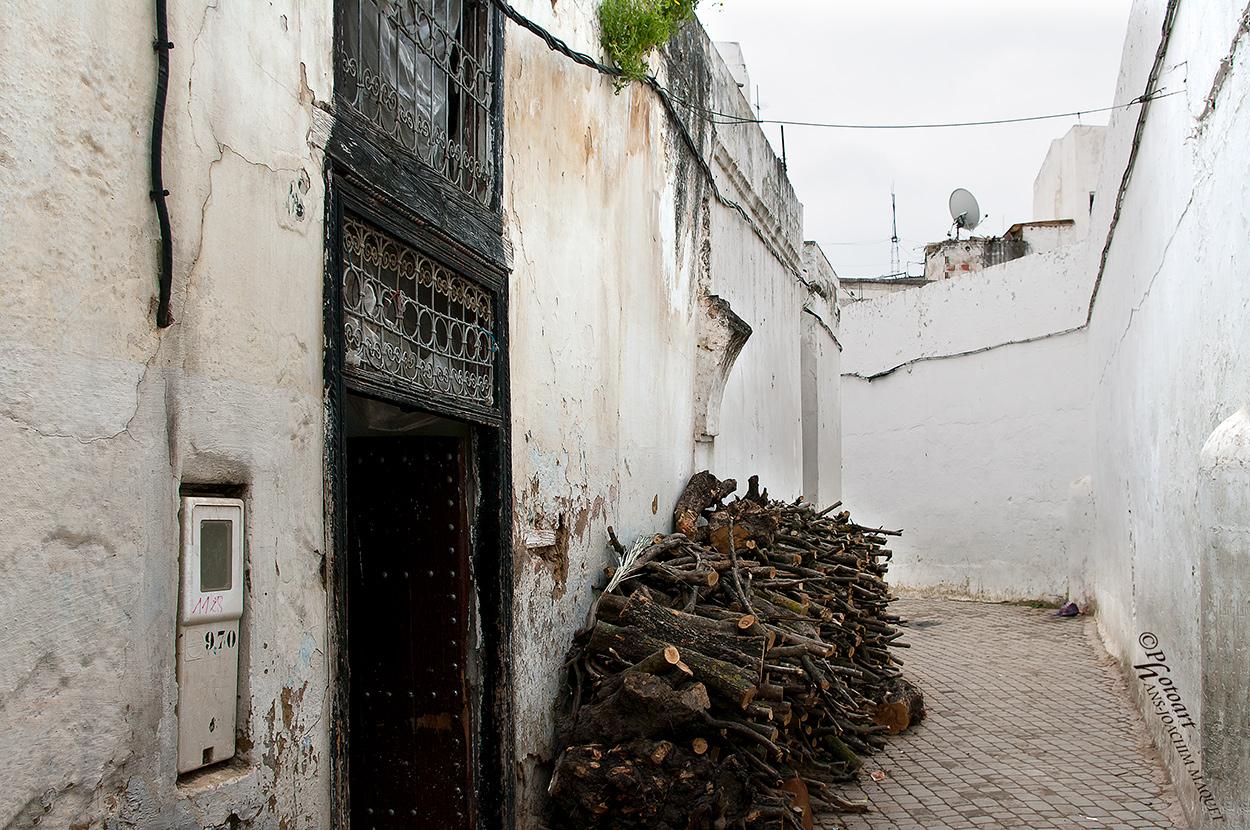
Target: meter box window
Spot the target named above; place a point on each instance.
(210, 606)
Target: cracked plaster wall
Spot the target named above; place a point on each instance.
(103, 415)
(616, 240)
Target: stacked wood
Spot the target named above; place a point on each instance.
(752, 651)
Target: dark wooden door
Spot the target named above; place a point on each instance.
(411, 725)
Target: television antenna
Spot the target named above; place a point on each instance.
(894, 256)
(965, 211)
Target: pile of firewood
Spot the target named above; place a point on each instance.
(732, 671)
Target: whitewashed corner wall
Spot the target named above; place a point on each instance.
(966, 419)
(1069, 175)
(104, 414)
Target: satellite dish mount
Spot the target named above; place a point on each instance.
(965, 212)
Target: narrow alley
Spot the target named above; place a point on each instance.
(1029, 725)
(475, 415)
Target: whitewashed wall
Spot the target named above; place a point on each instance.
(965, 419)
(104, 414)
(1114, 459)
(1170, 354)
(617, 242)
(1068, 175)
(822, 383)
(1041, 237)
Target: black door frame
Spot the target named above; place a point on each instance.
(491, 537)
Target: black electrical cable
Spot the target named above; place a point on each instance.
(158, 193)
(728, 119)
(1156, 69)
(557, 45)
(554, 43)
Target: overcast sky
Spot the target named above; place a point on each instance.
(918, 61)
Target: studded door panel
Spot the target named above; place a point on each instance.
(411, 726)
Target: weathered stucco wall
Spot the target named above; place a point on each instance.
(821, 381)
(599, 311)
(104, 415)
(632, 275)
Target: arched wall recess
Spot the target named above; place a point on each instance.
(722, 334)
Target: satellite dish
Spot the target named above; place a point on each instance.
(965, 210)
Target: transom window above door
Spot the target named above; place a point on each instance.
(413, 324)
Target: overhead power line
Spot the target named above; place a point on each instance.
(730, 119)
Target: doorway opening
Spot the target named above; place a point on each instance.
(413, 639)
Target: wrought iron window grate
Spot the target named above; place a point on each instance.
(412, 323)
(420, 70)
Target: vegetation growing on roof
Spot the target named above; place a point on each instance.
(631, 29)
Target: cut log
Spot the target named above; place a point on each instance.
(733, 682)
(707, 576)
(901, 706)
(894, 716)
(754, 527)
(643, 705)
(714, 638)
(702, 491)
(657, 662)
(610, 606)
(624, 788)
(802, 802)
(720, 537)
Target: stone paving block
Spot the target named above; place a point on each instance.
(1029, 725)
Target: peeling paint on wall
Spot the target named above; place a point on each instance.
(623, 262)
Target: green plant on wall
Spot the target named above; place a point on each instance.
(631, 29)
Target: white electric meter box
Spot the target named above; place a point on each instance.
(210, 606)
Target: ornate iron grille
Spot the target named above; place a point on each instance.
(420, 70)
(413, 323)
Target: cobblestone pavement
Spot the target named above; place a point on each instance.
(1029, 725)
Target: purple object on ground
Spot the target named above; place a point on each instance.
(1068, 609)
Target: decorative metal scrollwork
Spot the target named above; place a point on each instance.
(420, 71)
(412, 322)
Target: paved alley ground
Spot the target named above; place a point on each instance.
(1029, 725)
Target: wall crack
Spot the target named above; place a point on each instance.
(1163, 259)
